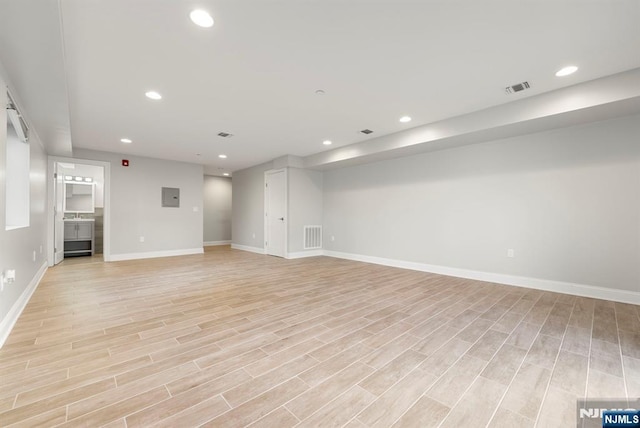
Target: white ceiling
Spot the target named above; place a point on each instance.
(255, 72)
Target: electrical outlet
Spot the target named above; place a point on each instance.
(196, 209)
(34, 255)
(254, 236)
(511, 253)
(142, 239)
(10, 276)
(333, 238)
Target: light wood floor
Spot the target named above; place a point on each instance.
(231, 338)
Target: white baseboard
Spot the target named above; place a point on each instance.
(257, 250)
(583, 290)
(6, 325)
(296, 255)
(302, 254)
(215, 243)
(155, 254)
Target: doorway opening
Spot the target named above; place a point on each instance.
(79, 210)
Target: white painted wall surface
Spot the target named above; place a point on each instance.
(217, 209)
(248, 206)
(17, 246)
(566, 201)
(136, 209)
(305, 204)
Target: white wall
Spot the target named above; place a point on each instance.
(217, 209)
(304, 189)
(17, 246)
(136, 206)
(305, 204)
(567, 201)
(248, 206)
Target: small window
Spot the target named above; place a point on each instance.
(17, 168)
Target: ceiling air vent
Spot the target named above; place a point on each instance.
(224, 135)
(517, 87)
(367, 131)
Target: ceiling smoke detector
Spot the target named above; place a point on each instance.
(518, 87)
(367, 131)
(225, 135)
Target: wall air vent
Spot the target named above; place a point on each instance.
(367, 131)
(518, 87)
(312, 237)
(224, 135)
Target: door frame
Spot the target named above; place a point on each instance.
(58, 203)
(286, 210)
(52, 160)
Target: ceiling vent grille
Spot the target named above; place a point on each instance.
(367, 131)
(225, 135)
(518, 87)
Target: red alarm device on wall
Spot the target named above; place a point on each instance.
(125, 162)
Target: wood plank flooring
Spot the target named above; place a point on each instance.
(235, 339)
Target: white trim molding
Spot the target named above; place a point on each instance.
(616, 295)
(6, 325)
(215, 243)
(303, 254)
(155, 254)
(256, 250)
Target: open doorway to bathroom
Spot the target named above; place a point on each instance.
(83, 210)
(79, 215)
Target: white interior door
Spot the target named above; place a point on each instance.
(276, 213)
(58, 218)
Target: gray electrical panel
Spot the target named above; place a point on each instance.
(170, 197)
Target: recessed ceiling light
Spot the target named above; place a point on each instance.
(566, 71)
(153, 95)
(405, 119)
(201, 18)
(327, 142)
(226, 174)
(126, 140)
(222, 156)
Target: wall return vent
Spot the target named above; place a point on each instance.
(312, 237)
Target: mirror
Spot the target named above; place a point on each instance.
(78, 198)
